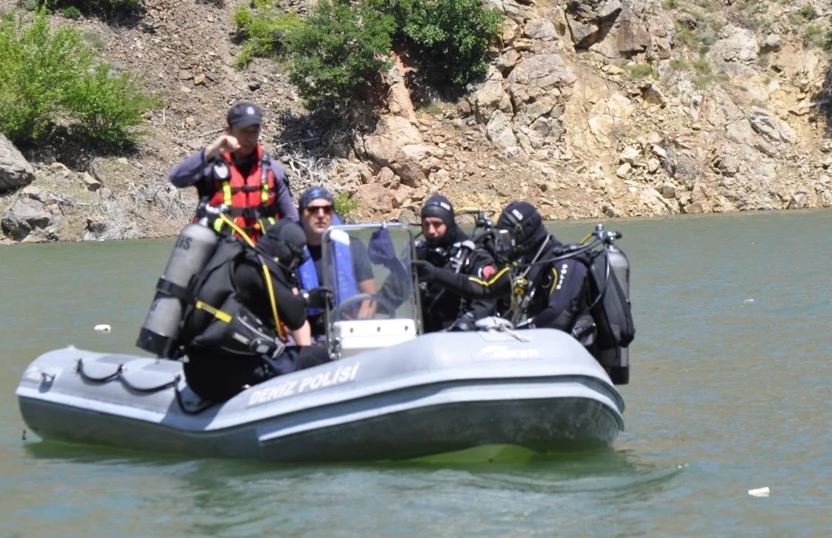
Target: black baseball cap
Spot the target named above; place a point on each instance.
(244, 115)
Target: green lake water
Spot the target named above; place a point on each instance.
(730, 390)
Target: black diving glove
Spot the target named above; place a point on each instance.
(318, 297)
(426, 270)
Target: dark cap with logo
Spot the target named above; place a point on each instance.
(244, 115)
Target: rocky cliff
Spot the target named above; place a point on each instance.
(591, 108)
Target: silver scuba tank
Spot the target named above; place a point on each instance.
(194, 245)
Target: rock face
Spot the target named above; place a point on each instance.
(26, 215)
(524, 109)
(589, 108)
(15, 171)
(590, 20)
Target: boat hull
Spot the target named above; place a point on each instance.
(434, 394)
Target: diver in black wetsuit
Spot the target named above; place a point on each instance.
(235, 331)
(539, 290)
(444, 245)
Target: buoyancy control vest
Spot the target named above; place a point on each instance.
(346, 285)
(216, 319)
(252, 199)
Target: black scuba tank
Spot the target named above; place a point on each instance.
(615, 308)
(194, 245)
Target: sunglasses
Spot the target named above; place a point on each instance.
(313, 210)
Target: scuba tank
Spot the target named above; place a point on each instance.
(194, 245)
(616, 359)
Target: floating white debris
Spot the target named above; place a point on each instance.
(102, 328)
(759, 492)
(748, 301)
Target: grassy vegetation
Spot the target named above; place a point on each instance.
(51, 77)
(74, 8)
(345, 205)
(638, 71)
(263, 29)
(337, 54)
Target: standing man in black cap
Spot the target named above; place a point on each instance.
(539, 289)
(444, 245)
(234, 170)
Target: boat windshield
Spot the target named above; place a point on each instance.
(367, 266)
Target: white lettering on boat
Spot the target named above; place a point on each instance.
(328, 378)
(494, 353)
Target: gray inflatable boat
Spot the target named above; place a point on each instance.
(391, 394)
(433, 394)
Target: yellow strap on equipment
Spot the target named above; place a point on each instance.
(237, 229)
(226, 200)
(490, 281)
(225, 317)
(226, 193)
(264, 192)
(273, 301)
(555, 278)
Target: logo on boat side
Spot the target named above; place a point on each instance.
(342, 374)
(494, 353)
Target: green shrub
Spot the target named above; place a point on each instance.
(93, 6)
(637, 71)
(108, 105)
(813, 36)
(263, 29)
(345, 205)
(51, 76)
(71, 12)
(336, 55)
(808, 12)
(448, 39)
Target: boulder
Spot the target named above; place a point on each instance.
(15, 171)
(740, 45)
(372, 200)
(631, 33)
(499, 131)
(491, 96)
(507, 60)
(541, 29)
(769, 126)
(516, 10)
(605, 116)
(25, 216)
(661, 30)
(397, 144)
(509, 31)
(590, 20)
(539, 75)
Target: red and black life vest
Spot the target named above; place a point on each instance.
(252, 199)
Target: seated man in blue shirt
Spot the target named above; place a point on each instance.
(317, 213)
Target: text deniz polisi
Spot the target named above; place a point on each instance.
(327, 378)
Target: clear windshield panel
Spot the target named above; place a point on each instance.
(367, 266)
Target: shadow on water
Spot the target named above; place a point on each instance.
(218, 497)
(493, 466)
